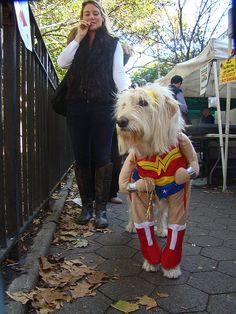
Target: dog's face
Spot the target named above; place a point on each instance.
(145, 118)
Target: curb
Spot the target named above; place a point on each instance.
(41, 244)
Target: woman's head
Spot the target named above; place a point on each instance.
(93, 12)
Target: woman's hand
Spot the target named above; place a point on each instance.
(82, 30)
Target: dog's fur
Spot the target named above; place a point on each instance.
(154, 120)
(149, 122)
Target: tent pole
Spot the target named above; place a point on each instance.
(219, 118)
(227, 122)
(227, 135)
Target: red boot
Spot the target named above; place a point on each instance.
(149, 246)
(172, 253)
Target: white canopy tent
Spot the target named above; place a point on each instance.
(217, 49)
(214, 52)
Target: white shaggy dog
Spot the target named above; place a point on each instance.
(159, 167)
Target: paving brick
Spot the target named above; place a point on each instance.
(228, 267)
(191, 231)
(89, 259)
(201, 219)
(126, 288)
(223, 234)
(120, 267)
(213, 226)
(114, 227)
(88, 305)
(213, 282)
(113, 238)
(114, 252)
(158, 279)
(190, 249)
(232, 228)
(230, 243)
(182, 299)
(198, 263)
(138, 258)
(142, 310)
(134, 243)
(223, 303)
(225, 221)
(219, 253)
(205, 241)
(90, 248)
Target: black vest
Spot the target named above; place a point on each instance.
(91, 72)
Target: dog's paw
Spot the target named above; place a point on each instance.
(162, 233)
(130, 228)
(172, 273)
(149, 267)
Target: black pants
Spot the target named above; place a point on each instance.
(91, 127)
(116, 159)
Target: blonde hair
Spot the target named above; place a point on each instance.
(71, 35)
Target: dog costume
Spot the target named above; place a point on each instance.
(165, 174)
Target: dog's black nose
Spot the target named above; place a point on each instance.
(122, 122)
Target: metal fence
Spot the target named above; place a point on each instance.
(34, 149)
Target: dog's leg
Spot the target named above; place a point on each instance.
(144, 225)
(149, 267)
(172, 253)
(130, 227)
(162, 218)
(172, 273)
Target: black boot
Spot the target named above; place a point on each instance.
(84, 182)
(102, 190)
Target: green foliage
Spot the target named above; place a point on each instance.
(149, 73)
(169, 31)
(55, 20)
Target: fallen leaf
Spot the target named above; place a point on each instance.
(44, 263)
(146, 300)
(97, 277)
(125, 307)
(19, 296)
(162, 295)
(80, 243)
(81, 290)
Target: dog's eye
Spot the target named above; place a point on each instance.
(143, 103)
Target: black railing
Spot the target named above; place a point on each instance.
(35, 152)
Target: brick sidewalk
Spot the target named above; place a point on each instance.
(208, 281)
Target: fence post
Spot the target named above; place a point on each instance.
(2, 202)
(11, 127)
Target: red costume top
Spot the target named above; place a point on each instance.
(162, 169)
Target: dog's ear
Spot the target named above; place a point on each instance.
(172, 105)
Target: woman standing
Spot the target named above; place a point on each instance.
(96, 74)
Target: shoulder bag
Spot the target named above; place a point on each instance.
(58, 100)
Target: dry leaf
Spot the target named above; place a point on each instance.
(45, 264)
(146, 300)
(162, 295)
(81, 290)
(125, 307)
(69, 233)
(19, 296)
(97, 277)
(80, 243)
(88, 234)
